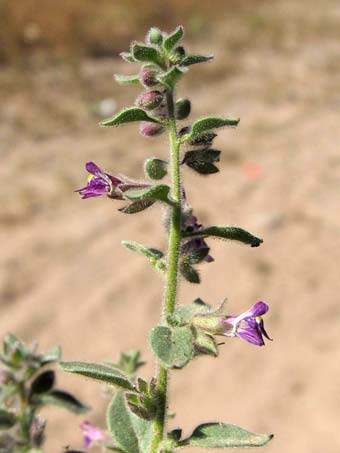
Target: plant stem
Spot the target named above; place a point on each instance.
(172, 270)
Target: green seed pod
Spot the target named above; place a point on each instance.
(155, 36)
(155, 168)
(183, 108)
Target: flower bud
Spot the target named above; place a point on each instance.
(155, 36)
(177, 55)
(147, 77)
(149, 100)
(149, 129)
(155, 168)
(183, 108)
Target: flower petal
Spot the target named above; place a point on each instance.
(92, 168)
(258, 309)
(250, 334)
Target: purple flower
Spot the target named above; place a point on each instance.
(91, 433)
(248, 325)
(101, 183)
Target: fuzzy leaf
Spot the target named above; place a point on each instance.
(53, 355)
(158, 192)
(63, 399)
(43, 383)
(203, 168)
(206, 124)
(149, 54)
(171, 40)
(129, 115)
(126, 78)
(136, 206)
(197, 307)
(126, 56)
(222, 435)
(120, 425)
(188, 272)
(7, 419)
(101, 373)
(227, 232)
(149, 252)
(194, 59)
(173, 346)
(171, 77)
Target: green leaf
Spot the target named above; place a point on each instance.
(120, 425)
(142, 52)
(63, 399)
(227, 232)
(194, 59)
(101, 373)
(43, 383)
(188, 272)
(173, 346)
(158, 192)
(126, 56)
(221, 435)
(197, 307)
(129, 115)
(136, 206)
(149, 252)
(126, 78)
(7, 419)
(171, 77)
(171, 40)
(206, 124)
(53, 355)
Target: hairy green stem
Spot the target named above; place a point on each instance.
(172, 270)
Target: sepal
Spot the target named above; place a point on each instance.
(190, 274)
(202, 160)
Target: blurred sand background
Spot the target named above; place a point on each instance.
(65, 280)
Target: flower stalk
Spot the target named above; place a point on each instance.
(174, 243)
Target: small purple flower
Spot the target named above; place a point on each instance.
(248, 325)
(91, 433)
(99, 183)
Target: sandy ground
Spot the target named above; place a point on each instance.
(66, 280)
